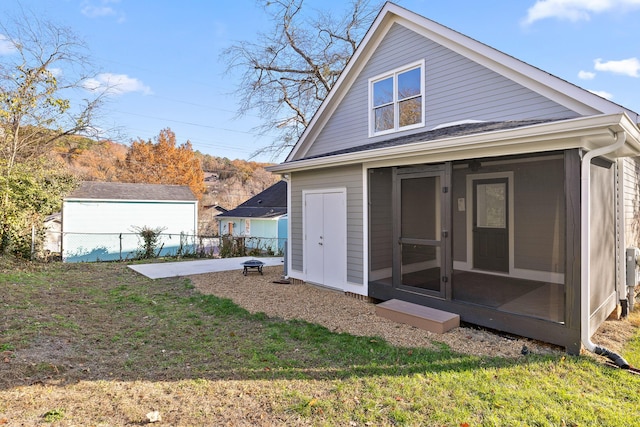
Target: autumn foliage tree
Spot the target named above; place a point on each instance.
(100, 163)
(89, 160)
(163, 162)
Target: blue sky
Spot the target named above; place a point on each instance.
(165, 54)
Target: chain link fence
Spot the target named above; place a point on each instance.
(96, 247)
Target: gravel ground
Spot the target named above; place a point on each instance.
(341, 313)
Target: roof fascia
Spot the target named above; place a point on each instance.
(632, 146)
(584, 132)
(83, 199)
(228, 218)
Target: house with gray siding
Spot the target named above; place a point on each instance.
(445, 173)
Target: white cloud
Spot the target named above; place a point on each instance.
(575, 10)
(116, 84)
(586, 75)
(97, 11)
(605, 95)
(628, 67)
(100, 8)
(6, 47)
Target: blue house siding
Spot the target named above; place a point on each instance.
(266, 234)
(283, 232)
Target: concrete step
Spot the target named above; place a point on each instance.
(422, 317)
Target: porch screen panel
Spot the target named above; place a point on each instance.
(421, 267)
(603, 240)
(534, 287)
(419, 211)
(539, 204)
(380, 224)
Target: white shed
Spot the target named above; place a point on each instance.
(100, 219)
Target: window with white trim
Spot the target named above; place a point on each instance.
(396, 100)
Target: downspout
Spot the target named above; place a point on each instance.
(585, 250)
(287, 256)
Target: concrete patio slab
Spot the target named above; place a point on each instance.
(188, 268)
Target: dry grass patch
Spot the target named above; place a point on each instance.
(98, 344)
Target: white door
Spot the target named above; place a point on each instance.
(325, 251)
(314, 237)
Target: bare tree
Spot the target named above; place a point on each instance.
(44, 71)
(285, 75)
(43, 67)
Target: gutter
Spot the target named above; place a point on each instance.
(558, 135)
(585, 250)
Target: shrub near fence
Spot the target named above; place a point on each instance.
(236, 246)
(95, 247)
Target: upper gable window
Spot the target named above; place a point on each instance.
(397, 100)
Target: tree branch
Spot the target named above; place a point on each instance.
(288, 73)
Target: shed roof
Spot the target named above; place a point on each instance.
(127, 191)
(270, 203)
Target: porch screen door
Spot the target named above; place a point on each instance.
(419, 258)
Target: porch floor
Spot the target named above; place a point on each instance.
(517, 296)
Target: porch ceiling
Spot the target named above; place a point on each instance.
(587, 133)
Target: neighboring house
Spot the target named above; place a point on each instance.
(262, 219)
(100, 219)
(207, 219)
(443, 172)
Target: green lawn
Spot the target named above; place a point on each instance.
(97, 344)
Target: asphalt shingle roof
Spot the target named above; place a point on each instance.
(464, 129)
(270, 203)
(126, 191)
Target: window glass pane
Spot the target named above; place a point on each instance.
(409, 83)
(384, 118)
(411, 111)
(383, 92)
(492, 208)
